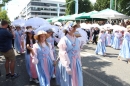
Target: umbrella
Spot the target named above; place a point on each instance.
(95, 25)
(86, 15)
(19, 22)
(36, 22)
(107, 26)
(43, 27)
(55, 29)
(109, 14)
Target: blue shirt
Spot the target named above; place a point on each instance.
(5, 40)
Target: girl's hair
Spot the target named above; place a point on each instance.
(75, 26)
(28, 41)
(45, 40)
(66, 32)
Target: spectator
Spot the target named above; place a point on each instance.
(6, 37)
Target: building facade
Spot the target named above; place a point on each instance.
(43, 8)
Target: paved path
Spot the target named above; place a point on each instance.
(97, 70)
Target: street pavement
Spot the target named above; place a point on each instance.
(97, 70)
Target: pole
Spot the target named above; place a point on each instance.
(115, 4)
(76, 7)
(58, 10)
(111, 4)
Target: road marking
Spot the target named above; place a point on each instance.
(89, 54)
(98, 79)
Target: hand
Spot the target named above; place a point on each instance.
(54, 63)
(33, 53)
(68, 70)
(35, 61)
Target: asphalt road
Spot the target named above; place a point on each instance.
(97, 70)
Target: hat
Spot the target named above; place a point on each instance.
(77, 34)
(69, 26)
(128, 27)
(40, 33)
(49, 31)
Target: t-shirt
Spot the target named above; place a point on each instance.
(5, 40)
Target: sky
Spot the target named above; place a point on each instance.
(14, 7)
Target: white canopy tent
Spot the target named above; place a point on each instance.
(109, 14)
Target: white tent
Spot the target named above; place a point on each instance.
(109, 14)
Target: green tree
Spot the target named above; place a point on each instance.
(84, 6)
(3, 3)
(123, 6)
(101, 4)
(4, 16)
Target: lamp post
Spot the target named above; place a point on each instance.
(58, 10)
(76, 7)
(111, 4)
(115, 4)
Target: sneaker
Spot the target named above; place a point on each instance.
(15, 76)
(53, 76)
(8, 75)
(31, 79)
(36, 81)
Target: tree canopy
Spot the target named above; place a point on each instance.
(84, 6)
(3, 2)
(4, 16)
(101, 4)
(123, 6)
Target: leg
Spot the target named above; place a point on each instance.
(7, 66)
(94, 40)
(119, 58)
(13, 42)
(12, 66)
(22, 43)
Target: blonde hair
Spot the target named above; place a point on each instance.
(45, 40)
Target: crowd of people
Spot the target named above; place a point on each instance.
(39, 46)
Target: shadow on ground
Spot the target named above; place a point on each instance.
(93, 66)
(23, 79)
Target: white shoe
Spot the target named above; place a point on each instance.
(31, 79)
(36, 80)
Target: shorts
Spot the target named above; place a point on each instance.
(9, 55)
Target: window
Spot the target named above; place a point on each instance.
(40, 4)
(62, 10)
(54, 14)
(62, 14)
(61, 5)
(53, 4)
(53, 9)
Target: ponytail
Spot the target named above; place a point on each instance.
(66, 32)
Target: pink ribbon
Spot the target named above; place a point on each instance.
(45, 67)
(74, 74)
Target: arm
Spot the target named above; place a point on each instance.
(8, 34)
(63, 54)
(52, 55)
(34, 60)
(51, 52)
